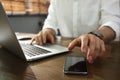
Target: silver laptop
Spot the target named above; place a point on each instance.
(28, 52)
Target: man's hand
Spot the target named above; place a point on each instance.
(44, 36)
(90, 44)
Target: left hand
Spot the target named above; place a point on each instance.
(90, 44)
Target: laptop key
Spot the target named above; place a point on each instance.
(31, 50)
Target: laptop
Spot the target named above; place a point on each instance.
(28, 52)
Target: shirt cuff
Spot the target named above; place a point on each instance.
(115, 27)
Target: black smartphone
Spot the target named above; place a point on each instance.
(75, 65)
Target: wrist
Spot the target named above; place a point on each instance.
(108, 33)
(97, 34)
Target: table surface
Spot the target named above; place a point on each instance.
(51, 68)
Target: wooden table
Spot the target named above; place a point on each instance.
(51, 68)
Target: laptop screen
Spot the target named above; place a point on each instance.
(8, 38)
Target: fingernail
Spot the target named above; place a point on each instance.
(40, 43)
(68, 48)
(84, 50)
(44, 42)
(90, 59)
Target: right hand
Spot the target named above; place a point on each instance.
(90, 44)
(44, 36)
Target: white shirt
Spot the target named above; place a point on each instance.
(76, 17)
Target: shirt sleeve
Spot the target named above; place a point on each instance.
(51, 21)
(110, 15)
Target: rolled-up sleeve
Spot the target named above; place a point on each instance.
(110, 15)
(51, 21)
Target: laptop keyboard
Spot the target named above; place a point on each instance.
(31, 50)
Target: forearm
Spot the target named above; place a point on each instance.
(108, 33)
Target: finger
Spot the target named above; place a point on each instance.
(91, 49)
(75, 42)
(84, 44)
(89, 57)
(92, 44)
(99, 48)
(102, 47)
(44, 36)
(32, 40)
(37, 39)
(51, 38)
(97, 51)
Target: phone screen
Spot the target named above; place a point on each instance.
(75, 65)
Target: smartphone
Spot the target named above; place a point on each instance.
(75, 65)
